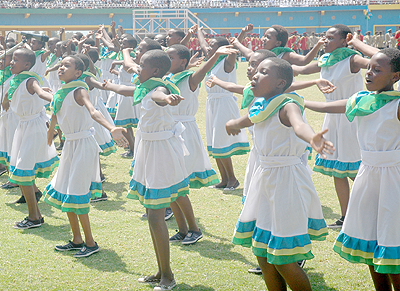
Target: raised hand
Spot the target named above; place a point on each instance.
(226, 50)
(113, 24)
(211, 81)
(193, 29)
(173, 99)
(194, 61)
(233, 40)
(118, 136)
(325, 86)
(249, 27)
(321, 145)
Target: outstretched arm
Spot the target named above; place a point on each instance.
(119, 89)
(33, 87)
(296, 59)
(203, 44)
(244, 50)
(357, 62)
(82, 98)
(163, 97)
(234, 126)
(338, 106)
(361, 46)
(323, 85)
(306, 70)
(290, 115)
(231, 87)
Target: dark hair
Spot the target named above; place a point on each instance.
(29, 56)
(283, 70)
(158, 59)
(78, 35)
(131, 41)
(79, 64)
(394, 56)
(93, 55)
(221, 41)
(90, 41)
(72, 45)
(282, 34)
(342, 29)
(162, 40)
(85, 59)
(265, 54)
(151, 44)
(182, 51)
(178, 32)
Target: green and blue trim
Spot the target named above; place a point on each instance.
(236, 149)
(336, 168)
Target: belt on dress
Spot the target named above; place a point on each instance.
(184, 118)
(166, 134)
(79, 135)
(380, 158)
(278, 161)
(30, 117)
(219, 95)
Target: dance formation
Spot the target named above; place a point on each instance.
(95, 91)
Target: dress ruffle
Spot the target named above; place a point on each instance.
(78, 204)
(203, 179)
(236, 149)
(127, 123)
(157, 198)
(108, 148)
(336, 168)
(386, 260)
(27, 177)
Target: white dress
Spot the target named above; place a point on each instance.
(197, 162)
(78, 177)
(31, 157)
(159, 173)
(283, 211)
(369, 233)
(111, 102)
(221, 107)
(126, 115)
(346, 159)
(8, 124)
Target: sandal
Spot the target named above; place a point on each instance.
(8, 185)
(233, 187)
(149, 280)
(164, 287)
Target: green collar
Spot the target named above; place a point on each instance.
(144, 88)
(339, 54)
(18, 79)
(60, 95)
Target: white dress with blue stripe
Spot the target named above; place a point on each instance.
(283, 212)
(369, 234)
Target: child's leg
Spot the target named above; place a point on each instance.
(76, 232)
(272, 278)
(30, 198)
(229, 172)
(60, 137)
(131, 138)
(223, 173)
(343, 193)
(179, 217)
(101, 172)
(186, 207)
(84, 219)
(395, 278)
(159, 230)
(294, 276)
(381, 281)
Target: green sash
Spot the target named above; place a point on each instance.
(135, 79)
(143, 89)
(280, 49)
(339, 54)
(51, 59)
(263, 109)
(86, 74)
(60, 95)
(248, 96)
(365, 102)
(98, 72)
(5, 74)
(178, 77)
(18, 79)
(39, 52)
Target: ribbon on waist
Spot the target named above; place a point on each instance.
(167, 134)
(220, 95)
(30, 117)
(79, 135)
(278, 161)
(380, 158)
(184, 118)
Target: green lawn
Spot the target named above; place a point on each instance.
(28, 260)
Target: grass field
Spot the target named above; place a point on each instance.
(28, 260)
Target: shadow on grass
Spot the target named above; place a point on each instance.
(51, 232)
(195, 287)
(120, 188)
(109, 205)
(329, 214)
(45, 209)
(317, 280)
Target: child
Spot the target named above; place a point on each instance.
(197, 163)
(77, 179)
(31, 157)
(284, 212)
(159, 174)
(368, 235)
(221, 106)
(341, 66)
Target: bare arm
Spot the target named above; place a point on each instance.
(52, 69)
(306, 70)
(327, 107)
(234, 126)
(296, 59)
(6, 103)
(246, 29)
(162, 97)
(323, 85)
(82, 98)
(33, 87)
(290, 115)
(128, 61)
(199, 75)
(244, 50)
(231, 87)
(202, 41)
(361, 46)
(187, 37)
(357, 62)
(119, 89)
(50, 131)
(44, 56)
